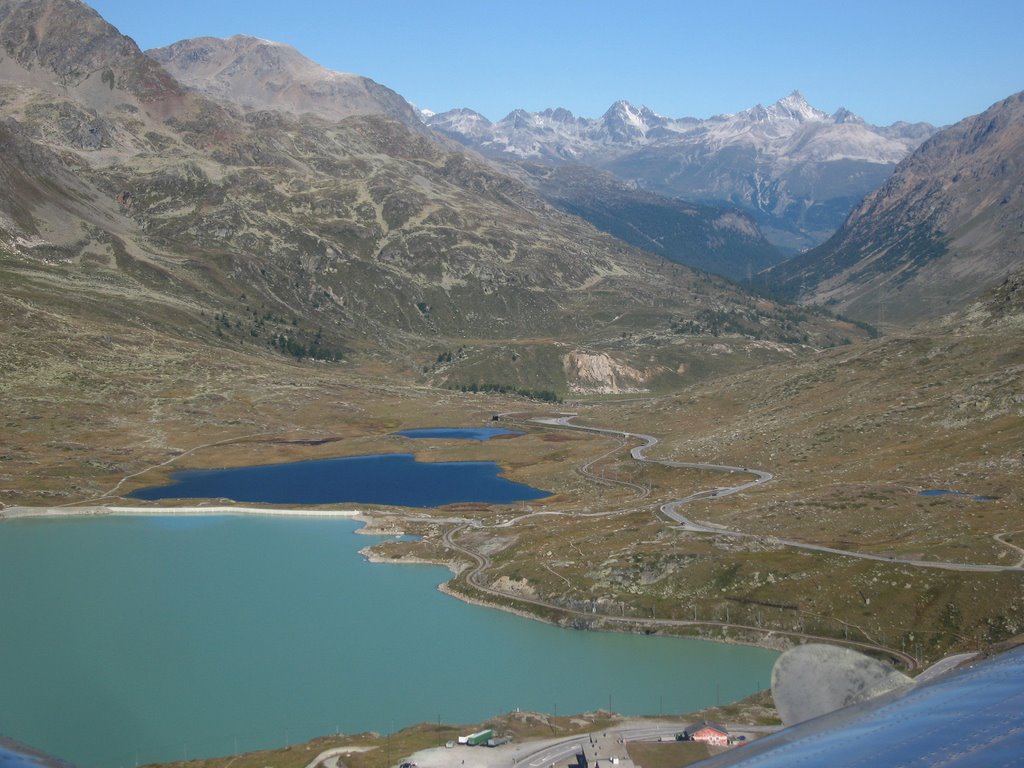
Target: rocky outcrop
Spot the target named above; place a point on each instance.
(600, 374)
(72, 46)
(260, 74)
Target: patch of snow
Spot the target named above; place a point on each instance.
(786, 133)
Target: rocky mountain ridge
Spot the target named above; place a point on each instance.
(69, 46)
(946, 226)
(777, 130)
(797, 169)
(261, 74)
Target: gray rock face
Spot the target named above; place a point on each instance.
(812, 680)
(945, 227)
(68, 43)
(260, 74)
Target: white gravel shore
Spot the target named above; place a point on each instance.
(14, 513)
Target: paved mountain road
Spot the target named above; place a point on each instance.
(671, 508)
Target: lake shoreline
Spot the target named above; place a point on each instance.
(30, 513)
(767, 641)
(372, 525)
(158, 567)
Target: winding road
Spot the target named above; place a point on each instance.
(474, 577)
(671, 508)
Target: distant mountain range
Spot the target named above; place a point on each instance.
(946, 226)
(212, 159)
(796, 169)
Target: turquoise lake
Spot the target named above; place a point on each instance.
(132, 640)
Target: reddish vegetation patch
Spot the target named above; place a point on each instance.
(465, 506)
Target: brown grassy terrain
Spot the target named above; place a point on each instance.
(669, 754)
(852, 435)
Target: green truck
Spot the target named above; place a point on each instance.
(480, 737)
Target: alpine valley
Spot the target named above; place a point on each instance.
(221, 254)
(795, 169)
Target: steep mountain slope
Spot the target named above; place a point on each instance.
(293, 234)
(68, 46)
(946, 226)
(259, 74)
(723, 241)
(796, 169)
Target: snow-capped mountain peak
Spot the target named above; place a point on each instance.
(754, 157)
(626, 122)
(788, 125)
(463, 124)
(795, 106)
(560, 115)
(843, 115)
(792, 109)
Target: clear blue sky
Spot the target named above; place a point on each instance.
(934, 60)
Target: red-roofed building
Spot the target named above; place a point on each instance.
(709, 733)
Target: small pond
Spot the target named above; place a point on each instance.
(939, 492)
(460, 433)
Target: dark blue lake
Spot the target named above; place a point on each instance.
(395, 479)
(462, 433)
